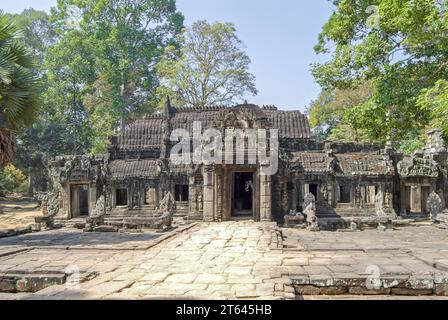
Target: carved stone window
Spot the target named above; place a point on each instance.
(369, 193)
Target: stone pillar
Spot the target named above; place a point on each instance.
(295, 196)
(92, 199)
(209, 184)
(265, 198)
(331, 195)
(227, 199)
(192, 195)
(75, 203)
(285, 203)
(218, 195)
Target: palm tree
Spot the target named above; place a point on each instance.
(19, 100)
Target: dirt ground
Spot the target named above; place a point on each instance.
(17, 212)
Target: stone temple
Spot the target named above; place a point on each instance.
(351, 183)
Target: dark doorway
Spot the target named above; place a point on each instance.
(345, 196)
(243, 194)
(313, 190)
(121, 197)
(181, 193)
(79, 196)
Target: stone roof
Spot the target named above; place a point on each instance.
(149, 133)
(312, 162)
(143, 134)
(124, 169)
(290, 124)
(367, 164)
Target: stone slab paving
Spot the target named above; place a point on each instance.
(410, 260)
(230, 260)
(14, 214)
(76, 239)
(209, 261)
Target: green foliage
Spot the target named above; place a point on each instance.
(404, 55)
(18, 86)
(96, 64)
(329, 114)
(11, 180)
(209, 68)
(19, 99)
(435, 101)
(109, 47)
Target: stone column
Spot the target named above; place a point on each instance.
(331, 195)
(75, 203)
(295, 196)
(192, 195)
(219, 196)
(92, 198)
(265, 198)
(209, 184)
(227, 199)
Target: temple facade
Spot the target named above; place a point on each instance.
(349, 181)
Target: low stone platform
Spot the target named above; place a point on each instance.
(234, 260)
(406, 261)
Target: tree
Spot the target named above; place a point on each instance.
(328, 114)
(399, 45)
(435, 101)
(209, 68)
(49, 135)
(83, 50)
(116, 43)
(19, 100)
(11, 180)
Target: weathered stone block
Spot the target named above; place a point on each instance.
(331, 291)
(441, 289)
(365, 291)
(411, 292)
(105, 229)
(307, 290)
(416, 283)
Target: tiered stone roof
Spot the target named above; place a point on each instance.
(151, 132)
(126, 169)
(367, 164)
(312, 162)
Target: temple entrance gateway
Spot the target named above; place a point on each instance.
(79, 195)
(243, 194)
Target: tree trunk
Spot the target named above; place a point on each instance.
(7, 145)
(30, 183)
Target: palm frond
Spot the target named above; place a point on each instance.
(19, 98)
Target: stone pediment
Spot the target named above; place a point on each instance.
(240, 118)
(75, 169)
(418, 167)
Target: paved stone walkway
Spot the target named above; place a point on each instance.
(231, 260)
(15, 214)
(210, 261)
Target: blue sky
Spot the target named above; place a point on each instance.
(279, 38)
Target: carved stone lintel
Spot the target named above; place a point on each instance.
(418, 167)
